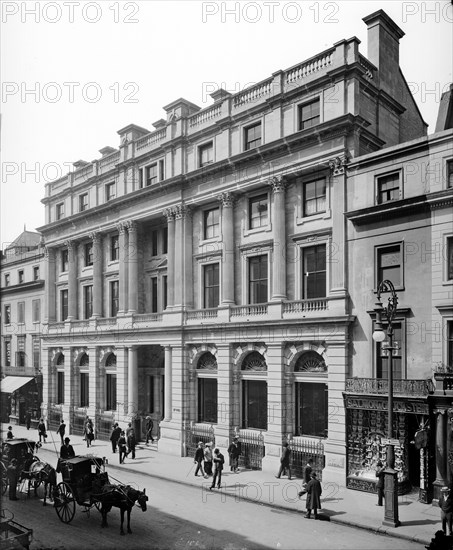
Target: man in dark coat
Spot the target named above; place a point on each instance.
(149, 429)
(314, 491)
(380, 482)
(13, 476)
(285, 461)
(42, 431)
(234, 452)
(114, 436)
(122, 448)
(61, 431)
(67, 450)
(446, 510)
(219, 460)
(198, 459)
(131, 442)
(28, 420)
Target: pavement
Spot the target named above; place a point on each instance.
(419, 521)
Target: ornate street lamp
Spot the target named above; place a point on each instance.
(390, 474)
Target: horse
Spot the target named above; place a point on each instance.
(123, 497)
(42, 473)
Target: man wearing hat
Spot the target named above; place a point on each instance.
(380, 482)
(314, 491)
(208, 459)
(149, 429)
(234, 452)
(67, 450)
(446, 509)
(198, 459)
(114, 436)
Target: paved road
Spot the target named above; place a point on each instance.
(183, 517)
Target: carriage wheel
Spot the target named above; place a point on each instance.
(4, 478)
(64, 502)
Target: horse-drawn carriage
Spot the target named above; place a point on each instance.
(86, 483)
(23, 451)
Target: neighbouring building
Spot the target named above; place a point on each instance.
(199, 272)
(22, 296)
(400, 228)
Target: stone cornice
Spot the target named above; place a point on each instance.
(23, 287)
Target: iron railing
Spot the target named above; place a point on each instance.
(54, 416)
(301, 451)
(252, 450)
(196, 433)
(78, 422)
(104, 424)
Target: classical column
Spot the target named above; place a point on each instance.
(187, 269)
(132, 381)
(94, 390)
(133, 267)
(227, 201)
(51, 308)
(441, 454)
(279, 228)
(168, 375)
(338, 194)
(97, 273)
(72, 280)
(170, 215)
(122, 242)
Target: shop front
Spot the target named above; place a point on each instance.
(20, 397)
(366, 406)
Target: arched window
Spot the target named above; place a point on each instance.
(207, 362)
(111, 360)
(254, 362)
(84, 360)
(60, 360)
(310, 362)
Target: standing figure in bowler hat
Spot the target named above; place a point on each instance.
(446, 509)
(314, 491)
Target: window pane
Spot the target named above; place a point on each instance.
(258, 283)
(315, 276)
(312, 409)
(255, 404)
(207, 400)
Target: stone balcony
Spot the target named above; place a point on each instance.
(131, 323)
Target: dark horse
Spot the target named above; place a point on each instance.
(123, 497)
(41, 473)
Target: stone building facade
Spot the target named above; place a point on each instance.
(22, 300)
(198, 273)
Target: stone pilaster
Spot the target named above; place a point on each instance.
(227, 202)
(123, 272)
(94, 390)
(97, 273)
(279, 228)
(170, 215)
(72, 280)
(51, 305)
(132, 382)
(133, 267)
(122, 381)
(274, 435)
(181, 252)
(338, 193)
(226, 404)
(335, 445)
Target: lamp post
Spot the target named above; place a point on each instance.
(390, 474)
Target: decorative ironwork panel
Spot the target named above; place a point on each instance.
(207, 362)
(252, 450)
(310, 362)
(254, 362)
(196, 433)
(104, 424)
(54, 417)
(78, 422)
(301, 451)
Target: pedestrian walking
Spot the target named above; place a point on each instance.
(9, 433)
(128, 429)
(28, 420)
(208, 459)
(380, 482)
(219, 460)
(67, 450)
(61, 431)
(13, 477)
(122, 447)
(234, 452)
(149, 429)
(88, 431)
(42, 431)
(314, 491)
(446, 509)
(198, 459)
(131, 443)
(285, 461)
(114, 436)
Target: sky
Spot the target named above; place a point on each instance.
(73, 73)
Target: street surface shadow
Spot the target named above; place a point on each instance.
(420, 522)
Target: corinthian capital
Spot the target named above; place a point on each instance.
(131, 226)
(121, 227)
(277, 183)
(169, 214)
(337, 164)
(94, 236)
(70, 244)
(226, 199)
(181, 211)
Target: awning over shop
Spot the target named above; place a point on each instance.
(12, 383)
